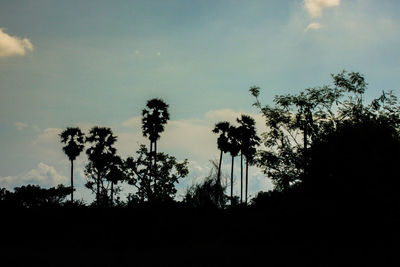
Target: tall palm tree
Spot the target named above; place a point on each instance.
(115, 174)
(222, 128)
(233, 149)
(74, 141)
(154, 116)
(100, 153)
(248, 141)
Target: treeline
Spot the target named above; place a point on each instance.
(324, 147)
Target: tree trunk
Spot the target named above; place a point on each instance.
(247, 179)
(219, 168)
(98, 189)
(150, 172)
(232, 180)
(72, 181)
(241, 178)
(155, 169)
(305, 132)
(112, 194)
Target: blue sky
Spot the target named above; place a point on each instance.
(85, 63)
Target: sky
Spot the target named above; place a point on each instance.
(85, 63)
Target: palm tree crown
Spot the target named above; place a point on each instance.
(154, 117)
(223, 129)
(248, 136)
(103, 140)
(74, 140)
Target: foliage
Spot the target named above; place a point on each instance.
(169, 171)
(101, 154)
(208, 194)
(297, 121)
(74, 140)
(33, 196)
(247, 137)
(222, 128)
(154, 117)
(357, 163)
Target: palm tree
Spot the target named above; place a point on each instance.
(154, 116)
(75, 142)
(101, 153)
(222, 128)
(115, 174)
(233, 149)
(248, 141)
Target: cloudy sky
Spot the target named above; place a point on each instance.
(85, 63)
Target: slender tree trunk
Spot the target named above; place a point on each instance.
(305, 132)
(241, 178)
(155, 169)
(72, 181)
(112, 194)
(232, 180)
(247, 179)
(98, 189)
(150, 172)
(219, 167)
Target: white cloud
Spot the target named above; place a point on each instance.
(133, 122)
(315, 7)
(13, 46)
(44, 175)
(137, 52)
(20, 125)
(49, 135)
(158, 53)
(313, 26)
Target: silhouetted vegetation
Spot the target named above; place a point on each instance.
(210, 193)
(33, 196)
(331, 155)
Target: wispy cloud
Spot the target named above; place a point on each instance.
(315, 7)
(13, 46)
(20, 125)
(313, 26)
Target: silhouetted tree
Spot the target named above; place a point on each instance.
(74, 141)
(100, 154)
(233, 149)
(355, 167)
(248, 140)
(223, 129)
(115, 174)
(154, 116)
(169, 173)
(297, 121)
(33, 196)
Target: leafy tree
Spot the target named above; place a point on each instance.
(74, 141)
(33, 196)
(169, 173)
(297, 121)
(154, 116)
(248, 141)
(223, 145)
(101, 154)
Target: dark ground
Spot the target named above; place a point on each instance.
(180, 236)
